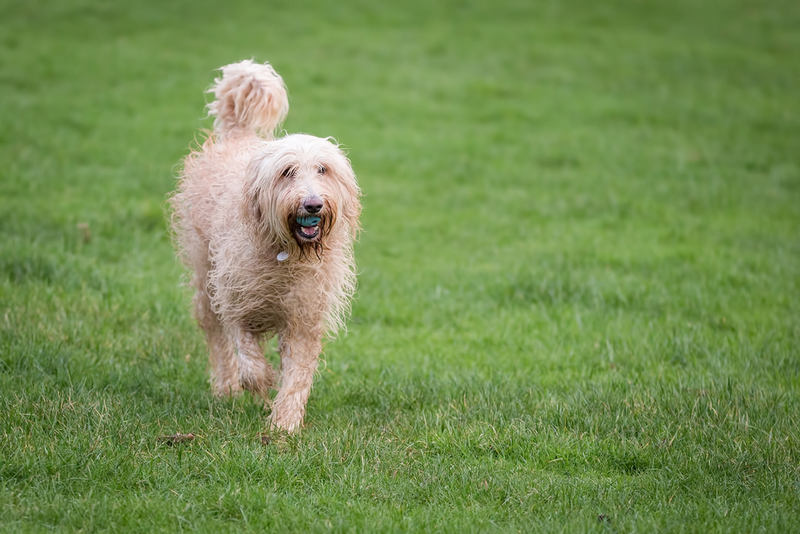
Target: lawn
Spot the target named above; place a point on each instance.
(579, 276)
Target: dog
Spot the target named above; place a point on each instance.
(266, 226)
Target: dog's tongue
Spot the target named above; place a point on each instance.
(308, 230)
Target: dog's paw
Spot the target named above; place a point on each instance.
(289, 424)
(226, 389)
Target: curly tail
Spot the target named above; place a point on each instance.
(250, 97)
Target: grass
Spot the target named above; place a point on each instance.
(580, 272)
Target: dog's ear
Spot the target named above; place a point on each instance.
(255, 208)
(349, 193)
(351, 207)
(251, 203)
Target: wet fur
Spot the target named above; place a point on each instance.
(234, 212)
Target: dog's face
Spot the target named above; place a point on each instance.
(299, 190)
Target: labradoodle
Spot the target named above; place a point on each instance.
(267, 227)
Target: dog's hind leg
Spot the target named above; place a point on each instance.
(255, 373)
(299, 354)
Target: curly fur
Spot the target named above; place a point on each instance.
(256, 273)
(249, 98)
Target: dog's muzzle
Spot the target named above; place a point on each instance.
(307, 222)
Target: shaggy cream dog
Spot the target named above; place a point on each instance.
(267, 227)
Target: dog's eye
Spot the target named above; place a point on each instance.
(322, 169)
(288, 172)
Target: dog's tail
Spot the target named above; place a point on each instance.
(250, 97)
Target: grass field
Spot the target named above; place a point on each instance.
(579, 290)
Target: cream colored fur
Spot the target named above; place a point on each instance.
(235, 218)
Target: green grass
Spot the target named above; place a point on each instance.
(579, 281)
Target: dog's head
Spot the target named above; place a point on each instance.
(299, 191)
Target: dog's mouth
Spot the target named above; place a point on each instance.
(306, 229)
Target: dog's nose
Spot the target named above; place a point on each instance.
(313, 205)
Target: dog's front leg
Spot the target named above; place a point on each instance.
(255, 373)
(224, 367)
(299, 355)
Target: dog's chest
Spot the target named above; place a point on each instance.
(286, 295)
